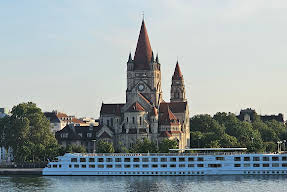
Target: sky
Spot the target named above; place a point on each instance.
(71, 55)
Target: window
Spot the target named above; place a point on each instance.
(118, 160)
(74, 160)
(154, 160)
(246, 165)
(76, 166)
(127, 119)
(84, 166)
(91, 159)
(173, 159)
(118, 166)
(181, 159)
(256, 165)
(265, 165)
(265, 158)
(89, 135)
(199, 165)
(136, 166)
(190, 165)
(92, 166)
(140, 120)
(154, 165)
(275, 164)
(112, 122)
(163, 165)
(145, 165)
(237, 158)
(127, 160)
(237, 165)
(163, 159)
(200, 159)
(108, 122)
(214, 165)
(82, 159)
(275, 158)
(100, 159)
(136, 159)
(145, 160)
(100, 166)
(54, 166)
(181, 165)
(256, 159)
(190, 159)
(109, 160)
(109, 166)
(133, 120)
(172, 165)
(284, 158)
(284, 164)
(220, 158)
(246, 158)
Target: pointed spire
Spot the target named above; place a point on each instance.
(152, 57)
(177, 73)
(143, 52)
(130, 58)
(156, 59)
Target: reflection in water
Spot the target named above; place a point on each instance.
(143, 183)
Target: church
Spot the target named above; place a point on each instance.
(145, 114)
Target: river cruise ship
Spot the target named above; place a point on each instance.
(223, 161)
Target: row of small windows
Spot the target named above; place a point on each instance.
(261, 165)
(163, 159)
(275, 158)
(133, 120)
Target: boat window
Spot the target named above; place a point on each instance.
(284, 158)
(136, 165)
(214, 165)
(127, 166)
(136, 159)
(265, 158)
(190, 159)
(109, 166)
(237, 165)
(181, 165)
(118, 166)
(84, 166)
(163, 159)
(275, 164)
(256, 165)
(100, 166)
(76, 166)
(173, 159)
(118, 160)
(265, 165)
(220, 158)
(246, 165)
(256, 159)
(100, 159)
(70, 166)
(181, 159)
(82, 159)
(199, 165)
(127, 160)
(237, 158)
(154, 165)
(145, 160)
(74, 160)
(109, 160)
(91, 159)
(200, 159)
(164, 165)
(172, 165)
(145, 165)
(60, 166)
(284, 164)
(246, 158)
(54, 166)
(190, 165)
(92, 166)
(275, 158)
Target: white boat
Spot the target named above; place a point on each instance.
(209, 161)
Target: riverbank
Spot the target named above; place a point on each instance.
(21, 171)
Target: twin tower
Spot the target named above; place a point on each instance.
(145, 114)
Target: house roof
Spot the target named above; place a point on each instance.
(52, 117)
(168, 118)
(143, 52)
(136, 107)
(175, 107)
(111, 109)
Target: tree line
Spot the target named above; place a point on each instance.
(226, 130)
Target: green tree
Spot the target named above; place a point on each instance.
(167, 144)
(145, 146)
(104, 147)
(28, 133)
(75, 149)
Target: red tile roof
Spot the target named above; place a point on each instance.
(165, 134)
(168, 118)
(143, 52)
(175, 107)
(177, 73)
(136, 107)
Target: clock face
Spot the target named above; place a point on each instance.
(140, 87)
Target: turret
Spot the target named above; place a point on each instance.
(177, 92)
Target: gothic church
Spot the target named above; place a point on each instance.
(145, 114)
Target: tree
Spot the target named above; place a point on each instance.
(167, 144)
(104, 147)
(28, 133)
(145, 146)
(75, 149)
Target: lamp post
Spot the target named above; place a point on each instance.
(284, 145)
(279, 146)
(94, 149)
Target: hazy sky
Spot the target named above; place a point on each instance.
(71, 55)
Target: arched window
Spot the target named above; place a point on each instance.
(133, 120)
(140, 120)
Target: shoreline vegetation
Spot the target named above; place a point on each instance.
(26, 131)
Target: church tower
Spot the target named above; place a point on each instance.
(177, 92)
(143, 72)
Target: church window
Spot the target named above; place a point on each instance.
(140, 120)
(112, 122)
(108, 122)
(133, 120)
(127, 119)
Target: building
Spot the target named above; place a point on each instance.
(145, 114)
(59, 120)
(3, 112)
(250, 114)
